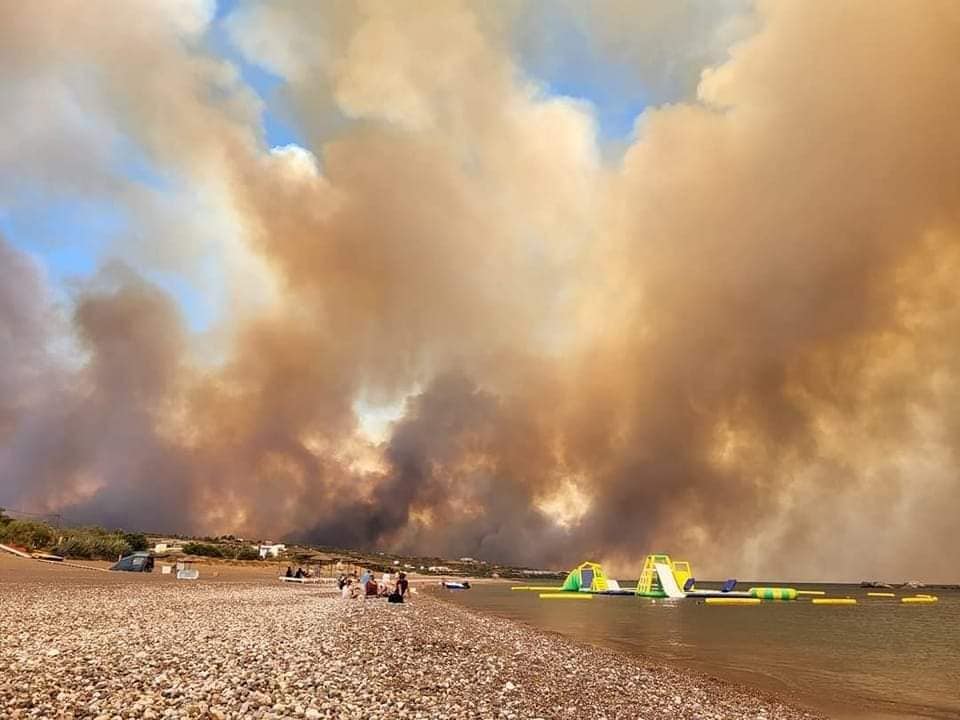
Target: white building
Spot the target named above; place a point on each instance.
(167, 547)
(271, 550)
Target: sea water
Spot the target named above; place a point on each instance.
(877, 659)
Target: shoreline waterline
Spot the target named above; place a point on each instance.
(875, 660)
(77, 645)
(747, 681)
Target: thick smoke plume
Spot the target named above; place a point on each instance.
(735, 342)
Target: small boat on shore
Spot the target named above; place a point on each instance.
(46, 556)
(453, 585)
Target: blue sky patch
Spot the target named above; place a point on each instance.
(278, 128)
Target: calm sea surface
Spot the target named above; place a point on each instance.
(878, 659)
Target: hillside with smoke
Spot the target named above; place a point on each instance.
(733, 339)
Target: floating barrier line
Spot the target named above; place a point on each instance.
(834, 601)
(811, 592)
(733, 601)
(881, 594)
(919, 600)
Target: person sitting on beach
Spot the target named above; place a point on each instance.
(289, 571)
(299, 574)
(346, 591)
(400, 591)
(371, 589)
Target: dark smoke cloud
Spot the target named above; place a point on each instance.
(464, 470)
(737, 344)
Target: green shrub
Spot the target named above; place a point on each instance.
(247, 553)
(27, 533)
(92, 543)
(136, 541)
(203, 550)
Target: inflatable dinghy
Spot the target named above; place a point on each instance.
(456, 585)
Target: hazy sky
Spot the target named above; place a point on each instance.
(524, 280)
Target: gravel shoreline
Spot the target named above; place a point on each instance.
(156, 650)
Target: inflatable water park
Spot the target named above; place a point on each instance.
(662, 577)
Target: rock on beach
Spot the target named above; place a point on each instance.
(171, 651)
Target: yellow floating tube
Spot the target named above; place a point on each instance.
(834, 601)
(920, 599)
(876, 594)
(733, 601)
(566, 596)
(773, 593)
(811, 592)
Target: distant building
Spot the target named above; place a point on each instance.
(439, 568)
(467, 560)
(271, 549)
(162, 548)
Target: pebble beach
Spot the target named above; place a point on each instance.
(84, 644)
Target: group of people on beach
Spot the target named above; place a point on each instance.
(299, 574)
(366, 586)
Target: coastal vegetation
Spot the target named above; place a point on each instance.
(97, 543)
(232, 551)
(87, 543)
